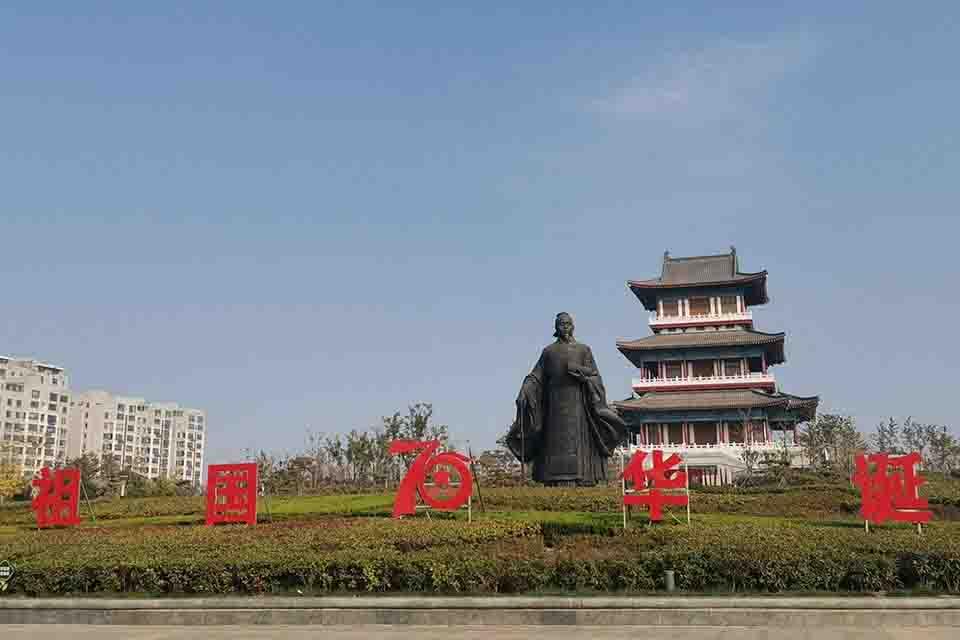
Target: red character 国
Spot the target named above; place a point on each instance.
(890, 490)
(662, 475)
(57, 502)
(232, 493)
(438, 467)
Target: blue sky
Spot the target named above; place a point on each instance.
(310, 215)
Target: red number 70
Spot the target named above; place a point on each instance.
(423, 466)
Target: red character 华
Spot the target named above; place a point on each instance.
(232, 493)
(887, 494)
(661, 476)
(423, 466)
(57, 502)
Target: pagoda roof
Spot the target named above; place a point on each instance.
(721, 270)
(724, 399)
(772, 342)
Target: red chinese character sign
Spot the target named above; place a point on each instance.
(649, 484)
(442, 480)
(232, 493)
(890, 490)
(57, 502)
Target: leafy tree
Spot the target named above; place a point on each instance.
(186, 488)
(419, 425)
(163, 486)
(750, 458)
(92, 482)
(299, 472)
(137, 486)
(887, 437)
(830, 443)
(336, 452)
(943, 449)
(382, 461)
(393, 429)
(266, 472)
(776, 464)
(319, 460)
(11, 475)
(916, 437)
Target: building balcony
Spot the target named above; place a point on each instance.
(660, 322)
(750, 380)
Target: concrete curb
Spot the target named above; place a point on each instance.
(488, 602)
(873, 612)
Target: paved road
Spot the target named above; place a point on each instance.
(84, 632)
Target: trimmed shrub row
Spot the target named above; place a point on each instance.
(485, 572)
(380, 555)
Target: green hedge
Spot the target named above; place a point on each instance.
(446, 556)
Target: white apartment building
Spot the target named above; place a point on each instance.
(153, 439)
(34, 404)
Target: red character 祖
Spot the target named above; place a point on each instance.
(436, 466)
(57, 502)
(660, 476)
(890, 491)
(232, 493)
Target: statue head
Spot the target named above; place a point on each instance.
(563, 327)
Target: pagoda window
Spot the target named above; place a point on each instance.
(732, 368)
(673, 369)
(735, 430)
(670, 308)
(705, 432)
(699, 306)
(728, 304)
(701, 368)
(649, 371)
(675, 433)
(654, 434)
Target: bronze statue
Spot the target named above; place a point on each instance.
(564, 426)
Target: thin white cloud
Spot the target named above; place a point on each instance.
(725, 80)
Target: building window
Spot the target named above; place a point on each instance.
(728, 304)
(699, 306)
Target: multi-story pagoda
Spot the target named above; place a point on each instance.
(705, 387)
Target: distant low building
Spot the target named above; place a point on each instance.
(34, 406)
(152, 439)
(705, 388)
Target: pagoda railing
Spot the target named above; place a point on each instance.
(757, 446)
(707, 318)
(752, 378)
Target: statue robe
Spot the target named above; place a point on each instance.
(564, 426)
